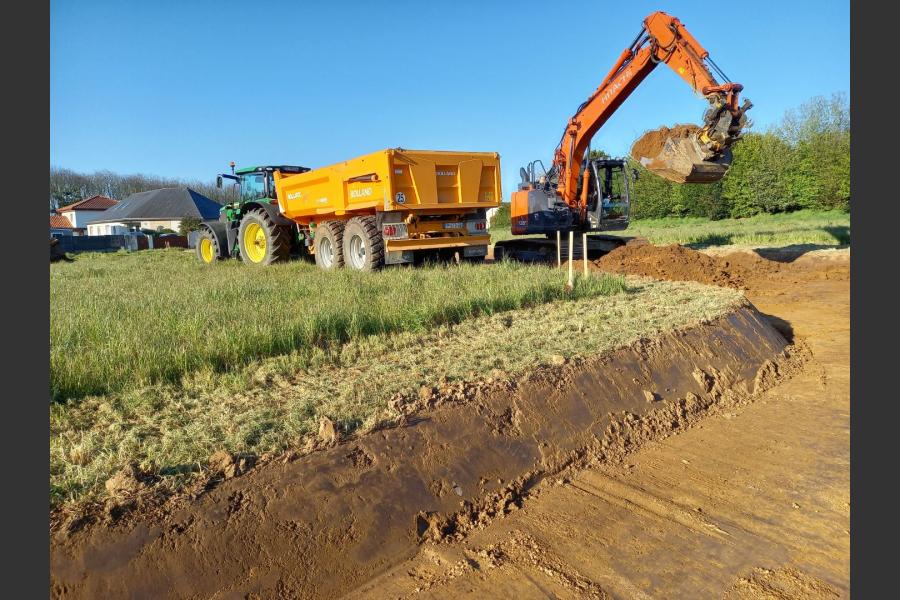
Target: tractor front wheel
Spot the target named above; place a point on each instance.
(207, 247)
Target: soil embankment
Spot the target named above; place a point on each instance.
(324, 524)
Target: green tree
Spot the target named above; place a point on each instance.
(652, 195)
(761, 178)
(819, 131)
(189, 224)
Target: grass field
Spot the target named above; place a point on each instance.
(270, 404)
(802, 227)
(124, 320)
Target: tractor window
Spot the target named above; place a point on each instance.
(253, 186)
(270, 180)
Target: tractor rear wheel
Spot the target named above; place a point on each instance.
(329, 246)
(363, 245)
(207, 247)
(261, 241)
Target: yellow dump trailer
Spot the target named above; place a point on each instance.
(389, 206)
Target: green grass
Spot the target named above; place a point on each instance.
(123, 320)
(272, 404)
(830, 228)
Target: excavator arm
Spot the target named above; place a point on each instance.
(662, 39)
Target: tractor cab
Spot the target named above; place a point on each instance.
(255, 183)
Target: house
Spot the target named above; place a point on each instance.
(84, 211)
(489, 215)
(156, 209)
(60, 225)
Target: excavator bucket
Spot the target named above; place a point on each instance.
(676, 154)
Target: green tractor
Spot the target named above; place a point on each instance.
(250, 224)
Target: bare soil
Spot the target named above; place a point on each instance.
(652, 142)
(754, 502)
(746, 270)
(566, 483)
(671, 153)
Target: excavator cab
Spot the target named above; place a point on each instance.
(609, 197)
(537, 208)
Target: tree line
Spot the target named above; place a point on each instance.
(68, 186)
(802, 162)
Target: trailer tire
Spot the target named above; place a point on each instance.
(207, 248)
(329, 245)
(363, 245)
(261, 241)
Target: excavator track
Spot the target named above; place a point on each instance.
(543, 249)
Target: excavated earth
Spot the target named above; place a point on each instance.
(565, 483)
(667, 152)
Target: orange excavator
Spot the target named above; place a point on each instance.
(582, 194)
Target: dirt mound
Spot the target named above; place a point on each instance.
(677, 263)
(741, 270)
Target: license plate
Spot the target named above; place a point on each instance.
(458, 225)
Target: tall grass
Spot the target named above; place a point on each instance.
(831, 228)
(123, 320)
(825, 228)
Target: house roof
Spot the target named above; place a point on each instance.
(60, 222)
(166, 203)
(93, 203)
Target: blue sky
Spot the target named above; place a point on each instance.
(180, 88)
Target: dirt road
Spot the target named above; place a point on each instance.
(753, 503)
(568, 484)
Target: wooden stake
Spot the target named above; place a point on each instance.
(571, 267)
(558, 251)
(584, 252)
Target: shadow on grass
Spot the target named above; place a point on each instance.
(185, 469)
(790, 253)
(711, 239)
(841, 233)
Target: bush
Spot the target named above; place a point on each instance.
(189, 224)
(501, 217)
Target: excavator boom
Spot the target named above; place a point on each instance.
(703, 157)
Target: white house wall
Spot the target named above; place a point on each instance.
(107, 229)
(80, 218)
